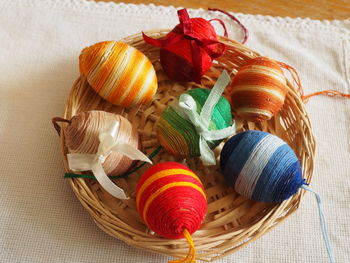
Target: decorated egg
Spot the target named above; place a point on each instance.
(187, 52)
(119, 73)
(261, 166)
(82, 136)
(258, 89)
(179, 136)
(170, 199)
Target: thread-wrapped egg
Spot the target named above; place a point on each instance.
(261, 166)
(82, 136)
(187, 52)
(179, 136)
(119, 73)
(170, 199)
(258, 89)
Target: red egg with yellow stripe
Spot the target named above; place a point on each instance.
(170, 198)
(119, 73)
(258, 89)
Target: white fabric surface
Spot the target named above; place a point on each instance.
(40, 218)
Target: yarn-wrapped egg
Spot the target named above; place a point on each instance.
(179, 136)
(258, 89)
(82, 136)
(187, 51)
(170, 199)
(261, 166)
(119, 73)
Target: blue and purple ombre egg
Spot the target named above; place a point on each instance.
(261, 166)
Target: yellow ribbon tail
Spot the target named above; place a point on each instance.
(191, 255)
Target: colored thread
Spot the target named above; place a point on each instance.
(171, 200)
(261, 167)
(163, 189)
(329, 93)
(243, 28)
(258, 89)
(322, 223)
(187, 52)
(222, 24)
(295, 77)
(179, 136)
(57, 127)
(154, 153)
(163, 174)
(191, 255)
(305, 98)
(82, 136)
(119, 73)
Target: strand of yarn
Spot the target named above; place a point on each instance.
(295, 77)
(191, 255)
(82, 136)
(57, 127)
(243, 28)
(223, 26)
(127, 174)
(305, 98)
(322, 223)
(329, 93)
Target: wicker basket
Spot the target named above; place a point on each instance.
(232, 221)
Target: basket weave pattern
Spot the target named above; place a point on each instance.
(232, 221)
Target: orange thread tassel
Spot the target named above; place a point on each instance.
(329, 93)
(305, 98)
(191, 255)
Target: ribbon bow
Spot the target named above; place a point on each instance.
(187, 107)
(93, 162)
(184, 30)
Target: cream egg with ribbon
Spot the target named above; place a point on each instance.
(104, 143)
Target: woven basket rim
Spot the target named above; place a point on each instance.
(240, 236)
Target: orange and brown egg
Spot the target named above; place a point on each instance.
(258, 90)
(119, 73)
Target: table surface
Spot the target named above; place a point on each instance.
(42, 221)
(315, 9)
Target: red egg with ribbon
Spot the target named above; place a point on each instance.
(187, 52)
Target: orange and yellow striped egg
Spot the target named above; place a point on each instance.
(170, 198)
(258, 89)
(119, 73)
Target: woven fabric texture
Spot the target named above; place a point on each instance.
(40, 41)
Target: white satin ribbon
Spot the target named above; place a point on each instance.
(93, 162)
(187, 107)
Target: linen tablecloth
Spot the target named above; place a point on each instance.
(40, 218)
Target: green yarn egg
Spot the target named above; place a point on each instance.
(178, 135)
